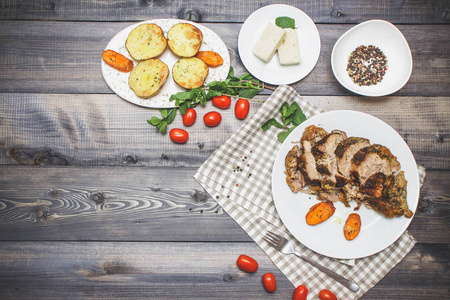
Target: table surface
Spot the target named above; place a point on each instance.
(96, 203)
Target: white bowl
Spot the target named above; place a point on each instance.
(388, 39)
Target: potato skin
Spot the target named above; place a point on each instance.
(352, 226)
(190, 73)
(184, 39)
(319, 213)
(146, 41)
(148, 77)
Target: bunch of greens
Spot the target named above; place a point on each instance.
(245, 86)
(290, 115)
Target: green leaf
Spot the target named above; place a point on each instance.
(292, 108)
(284, 134)
(154, 121)
(285, 22)
(163, 127)
(299, 117)
(183, 107)
(283, 109)
(248, 93)
(271, 122)
(164, 113)
(171, 116)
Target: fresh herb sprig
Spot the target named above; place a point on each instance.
(290, 115)
(285, 22)
(168, 115)
(245, 86)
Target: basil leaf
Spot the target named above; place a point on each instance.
(271, 122)
(284, 134)
(299, 117)
(164, 113)
(171, 116)
(154, 121)
(248, 93)
(285, 22)
(163, 127)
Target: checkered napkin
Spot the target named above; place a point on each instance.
(238, 176)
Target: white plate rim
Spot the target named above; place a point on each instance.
(118, 81)
(305, 233)
(366, 90)
(272, 72)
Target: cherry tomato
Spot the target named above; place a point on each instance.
(269, 282)
(189, 117)
(327, 295)
(300, 293)
(246, 263)
(212, 118)
(241, 108)
(178, 135)
(221, 101)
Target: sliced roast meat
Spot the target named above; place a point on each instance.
(386, 194)
(313, 134)
(345, 152)
(371, 160)
(294, 177)
(323, 151)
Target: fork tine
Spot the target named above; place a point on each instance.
(273, 235)
(269, 241)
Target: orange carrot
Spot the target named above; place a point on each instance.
(320, 212)
(117, 61)
(210, 58)
(352, 226)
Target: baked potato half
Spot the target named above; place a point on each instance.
(184, 39)
(190, 73)
(146, 41)
(148, 77)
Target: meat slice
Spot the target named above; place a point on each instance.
(345, 152)
(371, 160)
(313, 134)
(386, 194)
(323, 151)
(294, 177)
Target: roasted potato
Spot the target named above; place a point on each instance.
(148, 77)
(146, 41)
(190, 73)
(184, 39)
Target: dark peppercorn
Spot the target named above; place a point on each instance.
(367, 65)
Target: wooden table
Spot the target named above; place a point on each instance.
(95, 203)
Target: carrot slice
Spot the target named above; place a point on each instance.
(352, 226)
(320, 212)
(210, 58)
(117, 61)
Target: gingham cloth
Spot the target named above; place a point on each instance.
(238, 177)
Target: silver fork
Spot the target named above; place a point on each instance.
(286, 247)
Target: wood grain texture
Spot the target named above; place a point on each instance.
(118, 270)
(104, 130)
(323, 11)
(149, 204)
(65, 57)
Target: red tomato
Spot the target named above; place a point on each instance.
(300, 293)
(189, 117)
(241, 109)
(246, 263)
(327, 295)
(212, 118)
(221, 101)
(178, 135)
(269, 282)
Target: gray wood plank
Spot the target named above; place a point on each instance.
(323, 11)
(117, 270)
(64, 57)
(148, 204)
(94, 130)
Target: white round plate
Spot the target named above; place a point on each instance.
(390, 40)
(272, 72)
(327, 238)
(118, 81)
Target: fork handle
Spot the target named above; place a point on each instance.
(342, 280)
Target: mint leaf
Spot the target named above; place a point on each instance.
(285, 22)
(284, 134)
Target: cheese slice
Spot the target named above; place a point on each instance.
(289, 50)
(268, 42)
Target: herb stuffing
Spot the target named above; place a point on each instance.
(367, 65)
